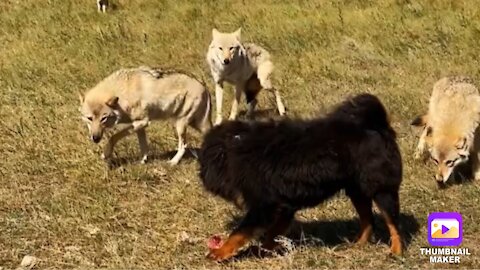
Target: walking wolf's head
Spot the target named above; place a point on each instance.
(99, 113)
(226, 45)
(447, 148)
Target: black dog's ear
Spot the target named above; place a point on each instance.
(419, 121)
(112, 102)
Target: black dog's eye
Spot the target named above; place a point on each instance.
(463, 157)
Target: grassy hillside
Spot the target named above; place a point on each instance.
(60, 203)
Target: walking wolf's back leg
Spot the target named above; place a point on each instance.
(264, 72)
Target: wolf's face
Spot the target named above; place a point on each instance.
(225, 45)
(99, 116)
(447, 154)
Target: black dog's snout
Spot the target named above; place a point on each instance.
(226, 61)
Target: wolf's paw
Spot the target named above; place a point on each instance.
(173, 162)
(218, 121)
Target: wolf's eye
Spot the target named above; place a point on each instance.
(220, 48)
(104, 119)
(450, 163)
(89, 118)
(232, 48)
(435, 161)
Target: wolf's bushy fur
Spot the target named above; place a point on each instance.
(450, 127)
(281, 167)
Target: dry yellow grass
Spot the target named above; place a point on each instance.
(60, 203)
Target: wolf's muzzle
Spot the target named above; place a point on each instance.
(96, 138)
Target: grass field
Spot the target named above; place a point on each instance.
(60, 203)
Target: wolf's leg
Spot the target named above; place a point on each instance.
(236, 100)
(255, 221)
(389, 206)
(420, 151)
(108, 150)
(475, 159)
(140, 124)
(181, 128)
(218, 101)
(363, 205)
(142, 141)
(264, 71)
(251, 108)
(278, 99)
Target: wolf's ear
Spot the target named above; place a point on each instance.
(238, 33)
(112, 102)
(420, 121)
(460, 144)
(215, 32)
(81, 97)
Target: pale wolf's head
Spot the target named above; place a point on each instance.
(226, 45)
(99, 114)
(447, 149)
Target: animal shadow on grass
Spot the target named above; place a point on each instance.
(337, 233)
(118, 162)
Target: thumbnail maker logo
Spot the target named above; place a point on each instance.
(445, 229)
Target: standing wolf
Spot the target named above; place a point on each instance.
(102, 5)
(450, 127)
(247, 66)
(136, 96)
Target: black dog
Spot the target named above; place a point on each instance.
(274, 169)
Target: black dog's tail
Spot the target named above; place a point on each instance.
(366, 110)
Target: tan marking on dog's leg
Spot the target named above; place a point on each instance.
(364, 210)
(181, 133)
(396, 246)
(235, 241)
(218, 102)
(235, 102)
(142, 141)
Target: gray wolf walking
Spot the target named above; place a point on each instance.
(136, 96)
(247, 66)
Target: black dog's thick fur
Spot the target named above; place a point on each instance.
(274, 169)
